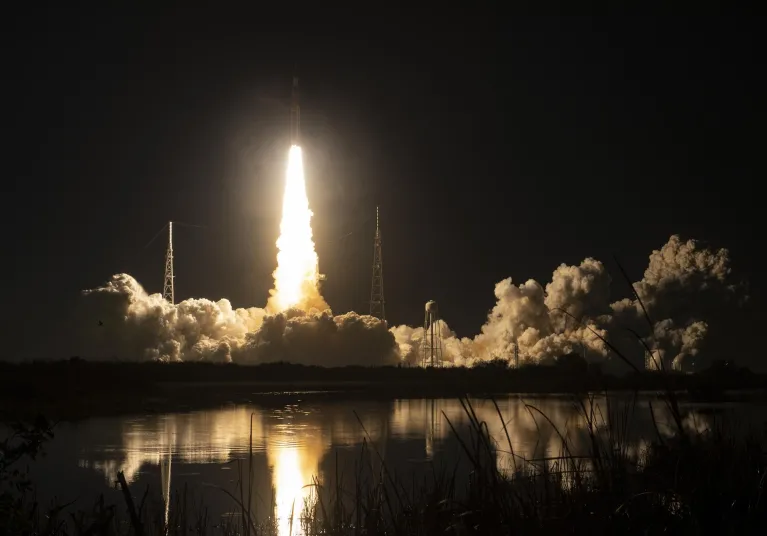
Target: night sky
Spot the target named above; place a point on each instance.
(495, 145)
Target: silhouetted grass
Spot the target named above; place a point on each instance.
(687, 483)
(692, 484)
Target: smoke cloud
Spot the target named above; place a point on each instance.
(570, 314)
(573, 314)
(674, 346)
(676, 273)
(134, 325)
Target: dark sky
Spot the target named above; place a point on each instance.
(495, 145)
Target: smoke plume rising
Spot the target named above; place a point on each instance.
(571, 314)
(139, 326)
(574, 314)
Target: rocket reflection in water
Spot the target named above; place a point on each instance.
(288, 446)
(293, 444)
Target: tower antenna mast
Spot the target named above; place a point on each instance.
(376, 289)
(167, 289)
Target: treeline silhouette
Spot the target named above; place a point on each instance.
(77, 387)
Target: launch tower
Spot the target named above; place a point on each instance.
(376, 289)
(167, 288)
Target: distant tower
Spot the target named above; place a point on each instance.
(167, 289)
(516, 355)
(376, 289)
(431, 345)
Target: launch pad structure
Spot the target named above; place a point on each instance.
(168, 291)
(377, 303)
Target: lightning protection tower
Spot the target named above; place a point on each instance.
(431, 345)
(167, 288)
(376, 289)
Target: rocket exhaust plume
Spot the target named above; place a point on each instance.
(296, 325)
(296, 278)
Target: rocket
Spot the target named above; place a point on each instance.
(295, 115)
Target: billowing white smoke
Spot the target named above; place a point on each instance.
(530, 318)
(573, 314)
(676, 272)
(410, 340)
(579, 290)
(673, 346)
(682, 282)
(320, 339)
(134, 325)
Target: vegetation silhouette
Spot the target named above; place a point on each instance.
(78, 389)
(688, 483)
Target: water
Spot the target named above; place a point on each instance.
(207, 451)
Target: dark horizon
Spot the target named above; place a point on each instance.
(494, 146)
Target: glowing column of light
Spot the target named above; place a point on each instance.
(296, 274)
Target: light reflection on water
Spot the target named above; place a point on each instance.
(293, 443)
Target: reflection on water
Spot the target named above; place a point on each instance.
(289, 483)
(293, 439)
(291, 444)
(165, 480)
(200, 437)
(293, 448)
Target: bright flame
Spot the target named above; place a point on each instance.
(296, 277)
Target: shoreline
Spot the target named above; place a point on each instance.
(75, 390)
